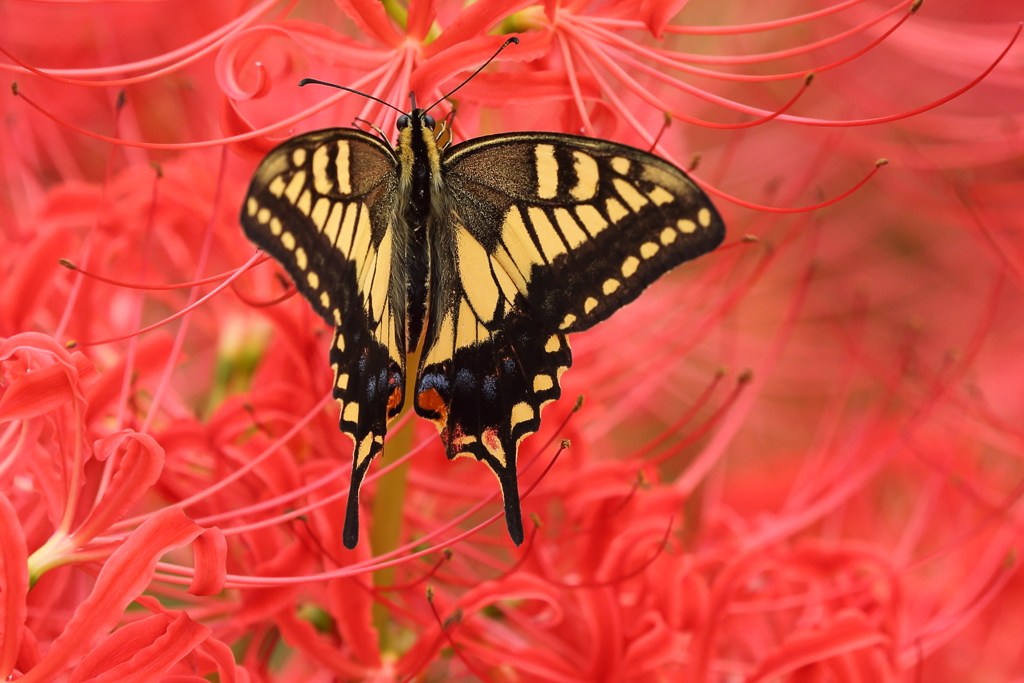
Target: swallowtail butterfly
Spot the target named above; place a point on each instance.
(478, 259)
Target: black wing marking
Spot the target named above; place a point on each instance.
(324, 205)
(488, 366)
(582, 226)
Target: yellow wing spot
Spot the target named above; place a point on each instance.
(632, 196)
(629, 266)
(591, 218)
(351, 412)
(469, 331)
(263, 215)
(288, 240)
(550, 243)
(365, 447)
(342, 382)
(521, 412)
(547, 171)
(445, 340)
(560, 371)
(304, 202)
(686, 226)
(277, 186)
(295, 186)
(505, 283)
(348, 226)
(552, 344)
(590, 304)
(520, 247)
(609, 286)
(320, 211)
(571, 230)
(615, 210)
(252, 206)
(587, 176)
(325, 299)
(300, 258)
(337, 317)
(275, 226)
(313, 279)
(299, 156)
(542, 383)
(341, 161)
(381, 276)
(334, 222)
(475, 273)
(668, 236)
(621, 165)
(321, 182)
(567, 321)
(660, 196)
(362, 246)
(648, 249)
(704, 217)
(340, 342)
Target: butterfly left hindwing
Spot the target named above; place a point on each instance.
(323, 205)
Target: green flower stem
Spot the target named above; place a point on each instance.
(386, 524)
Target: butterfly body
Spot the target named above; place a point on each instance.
(477, 260)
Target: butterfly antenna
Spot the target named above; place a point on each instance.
(508, 42)
(307, 81)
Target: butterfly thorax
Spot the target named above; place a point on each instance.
(419, 168)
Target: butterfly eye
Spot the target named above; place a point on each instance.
(428, 121)
(402, 122)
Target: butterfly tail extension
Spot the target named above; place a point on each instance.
(484, 390)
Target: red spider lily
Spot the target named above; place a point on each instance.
(172, 479)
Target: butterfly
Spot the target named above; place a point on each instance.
(465, 267)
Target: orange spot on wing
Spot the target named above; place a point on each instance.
(431, 400)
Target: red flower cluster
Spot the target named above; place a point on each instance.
(172, 478)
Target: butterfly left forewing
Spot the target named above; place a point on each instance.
(323, 204)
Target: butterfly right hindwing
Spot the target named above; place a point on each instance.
(324, 205)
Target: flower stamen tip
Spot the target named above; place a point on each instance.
(579, 404)
(809, 78)
(122, 99)
(565, 445)
(745, 377)
(70, 344)
(881, 162)
(916, 6)
(67, 264)
(14, 88)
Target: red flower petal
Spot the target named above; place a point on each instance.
(214, 654)
(302, 635)
(849, 631)
(13, 586)
(36, 393)
(421, 15)
(178, 639)
(656, 13)
(211, 553)
(473, 21)
(120, 646)
(372, 20)
(138, 469)
(125, 575)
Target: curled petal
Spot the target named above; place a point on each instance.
(124, 576)
(176, 641)
(421, 15)
(36, 393)
(142, 460)
(211, 551)
(233, 123)
(13, 586)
